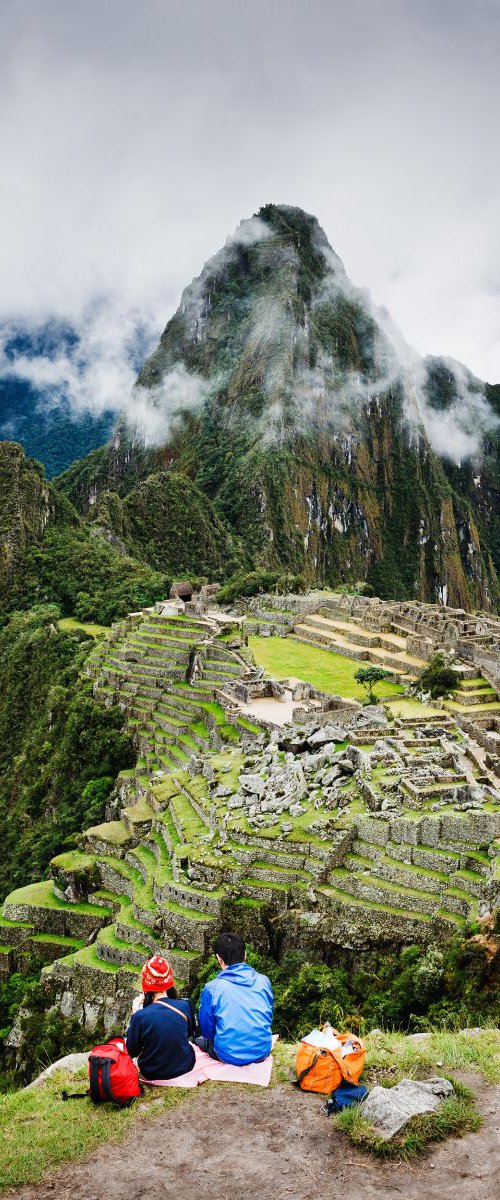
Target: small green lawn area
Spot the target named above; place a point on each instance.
(332, 673)
(70, 623)
(42, 895)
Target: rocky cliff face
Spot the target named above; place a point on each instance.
(28, 505)
(323, 442)
(120, 555)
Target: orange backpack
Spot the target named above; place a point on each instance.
(321, 1070)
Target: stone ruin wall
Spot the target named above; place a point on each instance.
(475, 638)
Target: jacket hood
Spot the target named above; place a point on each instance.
(240, 973)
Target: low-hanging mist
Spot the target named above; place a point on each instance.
(306, 386)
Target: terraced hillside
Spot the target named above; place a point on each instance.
(387, 649)
(353, 826)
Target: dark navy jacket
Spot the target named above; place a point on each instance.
(159, 1039)
(236, 1011)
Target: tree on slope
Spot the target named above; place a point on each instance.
(368, 677)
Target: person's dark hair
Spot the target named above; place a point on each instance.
(230, 947)
(149, 996)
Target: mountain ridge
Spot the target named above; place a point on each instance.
(309, 426)
(283, 424)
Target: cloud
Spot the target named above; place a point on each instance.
(458, 432)
(94, 370)
(330, 399)
(92, 367)
(133, 137)
(151, 413)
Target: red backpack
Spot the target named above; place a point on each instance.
(112, 1073)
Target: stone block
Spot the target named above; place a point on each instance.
(402, 829)
(388, 1109)
(369, 830)
(430, 831)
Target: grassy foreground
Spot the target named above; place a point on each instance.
(329, 672)
(38, 1131)
(392, 1057)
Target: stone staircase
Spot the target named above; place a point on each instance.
(354, 640)
(474, 698)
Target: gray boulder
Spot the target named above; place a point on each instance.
(252, 784)
(70, 1063)
(329, 777)
(388, 1109)
(329, 733)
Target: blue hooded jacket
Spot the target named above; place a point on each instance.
(236, 1011)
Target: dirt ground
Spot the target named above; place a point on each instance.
(237, 1142)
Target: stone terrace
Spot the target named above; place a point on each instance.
(349, 827)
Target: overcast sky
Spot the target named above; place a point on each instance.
(136, 134)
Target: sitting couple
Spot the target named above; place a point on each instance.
(236, 1011)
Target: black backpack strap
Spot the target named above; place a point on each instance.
(193, 1020)
(74, 1095)
(106, 1078)
(95, 1094)
(105, 1065)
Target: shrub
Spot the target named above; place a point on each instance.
(60, 750)
(255, 582)
(408, 990)
(438, 677)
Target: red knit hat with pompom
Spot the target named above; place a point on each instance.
(157, 975)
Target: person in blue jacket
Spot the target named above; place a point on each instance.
(236, 1008)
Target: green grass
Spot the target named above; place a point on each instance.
(138, 812)
(88, 957)
(166, 820)
(42, 895)
(456, 1051)
(38, 1131)
(57, 939)
(113, 832)
(71, 623)
(73, 860)
(191, 824)
(331, 673)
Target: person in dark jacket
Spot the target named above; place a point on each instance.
(236, 1008)
(159, 1032)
